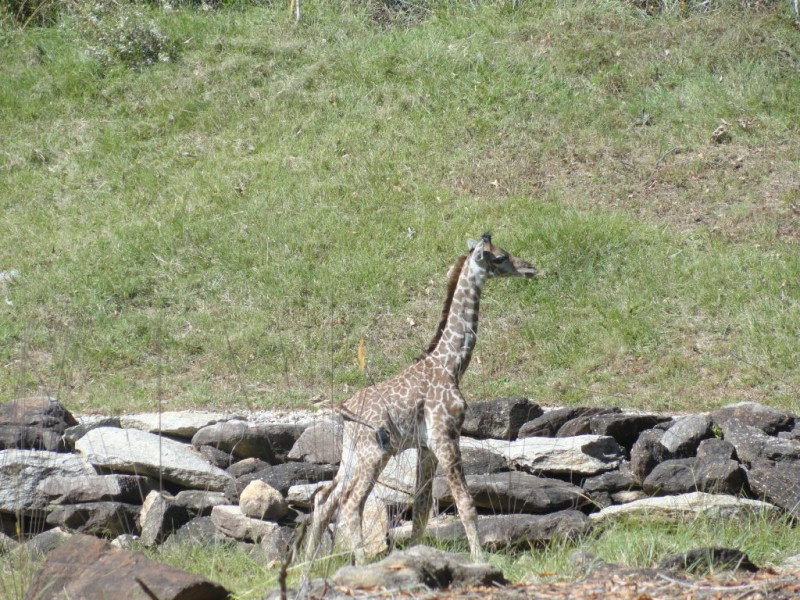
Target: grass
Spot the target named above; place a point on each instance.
(220, 229)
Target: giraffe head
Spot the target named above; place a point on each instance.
(496, 261)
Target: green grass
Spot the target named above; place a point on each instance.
(221, 229)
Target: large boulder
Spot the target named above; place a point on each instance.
(321, 444)
(108, 519)
(178, 423)
(21, 472)
(35, 423)
(60, 489)
(682, 438)
(753, 445)
(515, 492)
(579, 455)
(135, 451)
(777, 482)
(550, 423)
(271, 442)
(765, 418)
(500, 418)
(92, 569)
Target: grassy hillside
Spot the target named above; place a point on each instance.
(220, 228)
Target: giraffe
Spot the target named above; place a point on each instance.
(420, 408)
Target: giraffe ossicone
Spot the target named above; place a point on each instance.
(420, 408)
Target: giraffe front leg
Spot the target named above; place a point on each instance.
(426, 467)
(448, 453)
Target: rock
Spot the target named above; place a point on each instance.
(625, 496)
(778, 483)
(577, 426)
(646, 453)
(321, 443)
(34, 424)
(282, 477)
(200, 531)
(418, 566)
(181, 424)
(269, 442)
(245, 466)
(480, 461)
(199, 502)
(21, 471)
(47, 541)
(678, 476)
(717, 449)
(86, 424)
(705, 560)
(260, 500)
(685, 505)
(134, 451)
(682, 438)
(230, 520)
(580, 455)
(753, 445)
(498, 419)
(764, 418)
(92, 569)
(96, 488)
(125, 541)
(626, 427)
(108, 519)
(275, 547)
(218, 458)
(506, 531)
(400, 472)
(160, 517)
(515, 492)
(302, 495)
(548, 424)
(7, 544)
(611, 481)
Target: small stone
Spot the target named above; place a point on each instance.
(260, 500)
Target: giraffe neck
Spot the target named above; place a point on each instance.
(457, 341)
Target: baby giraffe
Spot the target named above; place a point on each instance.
(420, 408)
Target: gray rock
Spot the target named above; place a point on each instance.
(418, 566)
(646, 453)
(717, 449)
(778, 483)
(765, 418)
(96, 488)
(708, 560)
(21, 471)
(548, 424)
(687, 505)
(499, 419)
(108, 519)
(200, 531)
(682, 438)
(321, 444)
(282, 477)
(135, 451)
(218, 458)
(509, 531)
(92, 569)
(480, 461)
(274, 548)
(515, 492)
(245, 466)
(199, 502)
(7, 544)
(230, 520)
(270, 442)
(46, 541)
(679, 476)
(612, 481)
(625, 427)
(125, 541)
(161, 516)
(753, 445)
(181, 424)
(35, 423)
(578, 426)
(580, 455)
(85, 425)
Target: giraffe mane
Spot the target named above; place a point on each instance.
(452, 282)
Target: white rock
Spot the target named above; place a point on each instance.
(580, 455)
(687, 505)
(142, 453)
